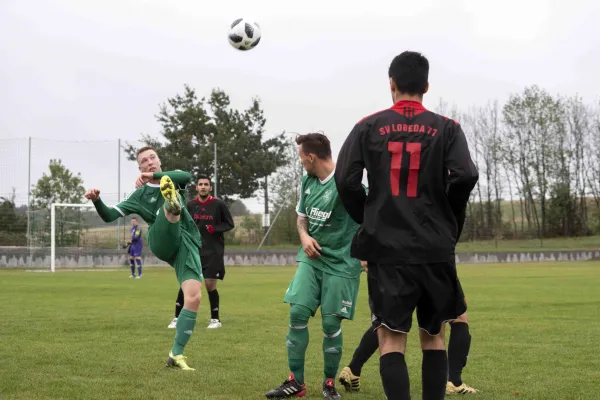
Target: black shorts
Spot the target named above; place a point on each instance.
(213, 266)
(396, 290)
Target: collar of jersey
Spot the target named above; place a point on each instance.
(324, 181)
(153, 184)
(208, 200)
(409, 103)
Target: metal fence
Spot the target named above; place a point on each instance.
(24, 161)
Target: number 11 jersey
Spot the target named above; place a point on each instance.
(420, 177)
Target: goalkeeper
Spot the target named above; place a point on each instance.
(172, 235)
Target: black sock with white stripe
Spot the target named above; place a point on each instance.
(213, 298)
(179, 303)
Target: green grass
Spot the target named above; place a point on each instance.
(99, 335)
(577, 243)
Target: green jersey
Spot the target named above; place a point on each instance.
(146, 201)
(330, 225)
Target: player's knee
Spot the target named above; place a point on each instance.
(463, 318)
(299, 316)
(211, 284)
(332, 326)
(192, 299)
(430, 342)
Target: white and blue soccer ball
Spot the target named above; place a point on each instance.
(244, 34)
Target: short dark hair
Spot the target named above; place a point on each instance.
(315, 143)
(410, 72)
(143, 149)
(204, 176)
(134, 218)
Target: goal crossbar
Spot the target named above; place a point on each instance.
(53, 228)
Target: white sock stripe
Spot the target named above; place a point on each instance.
(338, 333)
(298, 326)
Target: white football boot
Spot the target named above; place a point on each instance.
(214, 323)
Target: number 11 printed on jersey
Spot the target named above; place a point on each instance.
(414, 151)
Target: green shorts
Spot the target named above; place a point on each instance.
(173, 245)
(312, 288)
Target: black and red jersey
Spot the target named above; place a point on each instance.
(213, 219)
(420, 175)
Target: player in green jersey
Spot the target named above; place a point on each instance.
(172, 235)
(326, 276)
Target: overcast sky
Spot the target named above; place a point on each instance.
(88, 70)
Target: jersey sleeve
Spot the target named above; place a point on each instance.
(349, 172)
(462, 173)
(226, 219)
(180, 178)
(300, 206)
(130, 205)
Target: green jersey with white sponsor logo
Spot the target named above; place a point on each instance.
(330, 225)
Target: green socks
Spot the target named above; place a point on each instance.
(332, 354)
(297, 342)
(185, 327)
(332, 345)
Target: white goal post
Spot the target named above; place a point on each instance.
(53, 228)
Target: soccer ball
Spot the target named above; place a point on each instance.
(244, 34)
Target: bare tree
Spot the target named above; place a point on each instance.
(490, 147)
(592, 154)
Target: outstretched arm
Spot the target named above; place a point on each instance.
(108, 214)
(180, 178)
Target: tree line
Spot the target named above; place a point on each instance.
(538, 156)
(190, 126)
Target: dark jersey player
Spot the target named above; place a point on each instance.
(213, 219)
(410, 222)
(458, 352)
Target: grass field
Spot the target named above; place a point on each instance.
(100, 335)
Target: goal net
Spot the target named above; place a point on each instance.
(76, 236)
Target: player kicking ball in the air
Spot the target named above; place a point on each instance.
(172, 235)
(327, 276)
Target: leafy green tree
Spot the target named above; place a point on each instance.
(190, 127)
(13, 226)
(59, 186)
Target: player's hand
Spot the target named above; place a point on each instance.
(144, 178)
(92, 194)
(311, 247)
(365, 266)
